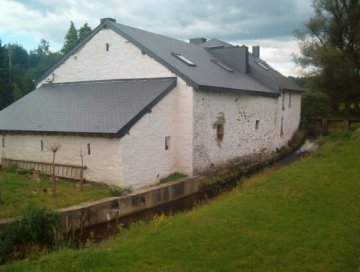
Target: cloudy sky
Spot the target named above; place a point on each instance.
(269, 24)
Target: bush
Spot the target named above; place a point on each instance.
(37, 228)
(119, 191)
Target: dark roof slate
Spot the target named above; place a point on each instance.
(206, 74)
(108, 107)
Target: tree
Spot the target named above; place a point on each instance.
(84, 31)
(71, 39)
(5, 80)
(53, 147)
(330, 44)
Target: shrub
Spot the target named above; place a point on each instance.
(37, 228)
(119, 191)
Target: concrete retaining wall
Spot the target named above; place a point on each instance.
(96, 212)
(93, 213)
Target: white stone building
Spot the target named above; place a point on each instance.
(141, 106)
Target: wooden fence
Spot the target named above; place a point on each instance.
(61, 170)
(322, 126)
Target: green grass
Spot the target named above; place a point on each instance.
(304, 217)
(19, 190)
(171, 177)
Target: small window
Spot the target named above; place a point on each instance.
(183, 59)
(167, 142)
(281, 128)
(262, 65)
(107, 46)
(3, 142)
(257, 124)
(283, 101)
(220, 131)
(41, 145)
(88, 149)
(222, 65)
(289, 99)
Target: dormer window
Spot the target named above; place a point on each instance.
(262, 65)
(183, 59)
(222, 65)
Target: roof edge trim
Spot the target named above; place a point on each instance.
(236, 91)
(126, 128)
(106, 23)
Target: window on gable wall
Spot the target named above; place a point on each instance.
(220, 131)
(3, 141)
(41, 145)
(88, 149)
(107, 46)
(289, 99)
(281, 127)
(257, 124)
(283, 100)
(167, 142)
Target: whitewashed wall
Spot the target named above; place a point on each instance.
(103, 164)
(144, 160)
(187, 116)
(290, 114)
(241, 138)
(93, 62)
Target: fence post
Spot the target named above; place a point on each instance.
(324, 125)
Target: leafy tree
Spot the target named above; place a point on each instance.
(71, 39)
(83, 31)
(330, 43)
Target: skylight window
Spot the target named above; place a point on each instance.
(183, 59)
(262, 65)
(222, 65)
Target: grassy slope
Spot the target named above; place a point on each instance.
(18, 190)
(304, 217)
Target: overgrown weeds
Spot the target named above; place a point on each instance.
(119, 191)
(172, 177)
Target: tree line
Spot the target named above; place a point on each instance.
(19, 68)
(330, 49)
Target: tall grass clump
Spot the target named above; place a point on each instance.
(37, 229)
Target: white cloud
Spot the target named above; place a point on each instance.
(269, 22)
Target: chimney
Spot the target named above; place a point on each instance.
(107, 19)
(197, 40)
(256, 51)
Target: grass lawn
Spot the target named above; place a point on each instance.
(304, 217)
(19, 190)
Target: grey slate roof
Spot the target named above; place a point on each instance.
(205, 75)
(108, 107)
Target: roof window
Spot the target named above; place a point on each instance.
(183, 59)
(222, 65)
(263, 65)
